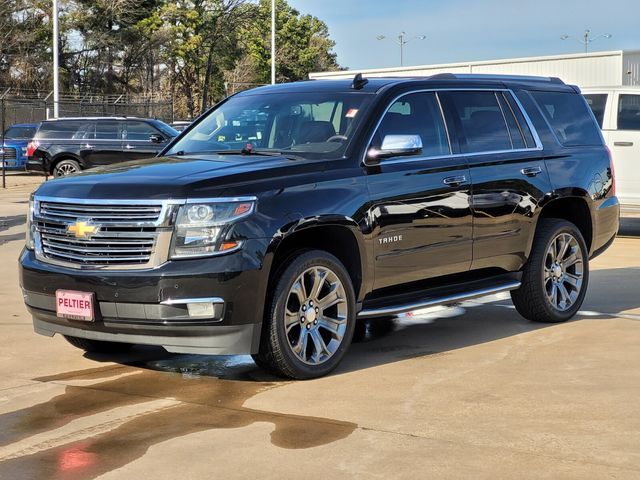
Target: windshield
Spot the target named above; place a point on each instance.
(18, 133)
(309, 125)
(166, 129)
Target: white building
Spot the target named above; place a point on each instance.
(615, 68)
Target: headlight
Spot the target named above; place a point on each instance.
(31, 228)
(199, 227)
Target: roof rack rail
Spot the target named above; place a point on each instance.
(490, 76)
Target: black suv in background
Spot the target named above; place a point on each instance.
(68, 145)
(288, 213)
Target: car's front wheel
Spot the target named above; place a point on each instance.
(310, 317)
(555, 278)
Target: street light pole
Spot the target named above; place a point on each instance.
(56, 78)
(586, 39)
(273, 42)
(402, 41)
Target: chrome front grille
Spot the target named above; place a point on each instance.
(7, 153)
(102, 234)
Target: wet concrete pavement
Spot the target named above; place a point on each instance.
(469, 391)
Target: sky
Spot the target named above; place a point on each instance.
(465, 30)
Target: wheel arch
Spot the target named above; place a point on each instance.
(340, 237)
(573, 207)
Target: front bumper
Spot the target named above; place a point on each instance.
(145, 306)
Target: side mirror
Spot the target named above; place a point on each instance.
(396, 146)
(155, 138)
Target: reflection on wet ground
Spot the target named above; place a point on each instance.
(195, 398)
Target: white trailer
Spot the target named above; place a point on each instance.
(615, 68)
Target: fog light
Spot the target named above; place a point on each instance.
(200, 310)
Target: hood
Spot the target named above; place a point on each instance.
(177, 177)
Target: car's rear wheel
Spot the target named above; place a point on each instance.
(66, 167)
(97, 346)
(555, 278)
(310, 317)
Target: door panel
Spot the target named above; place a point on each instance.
(104, 146)
(422, 227)
(506, 194)
(508, 174)
(137, 144)
(420, 208)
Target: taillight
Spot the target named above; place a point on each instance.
(32, 146)
(613, 172)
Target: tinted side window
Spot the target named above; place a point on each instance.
(482, 121)
(62, 130)
(140, 131)
(569, 117)
(416, 114)
(597, 102)
(629, 112)
(106, 130)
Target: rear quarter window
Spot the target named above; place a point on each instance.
(59, 130)
(569, 118)
(597, 103)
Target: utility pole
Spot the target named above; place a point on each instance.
(56, 79)
(273, 42)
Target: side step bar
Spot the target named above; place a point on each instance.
(434, 301)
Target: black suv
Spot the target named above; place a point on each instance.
(68, 145)
(288, 213)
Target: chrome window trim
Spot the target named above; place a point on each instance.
(534, 132)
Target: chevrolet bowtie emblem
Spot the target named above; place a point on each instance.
(82, 229)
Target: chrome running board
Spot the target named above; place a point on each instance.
(435, 301)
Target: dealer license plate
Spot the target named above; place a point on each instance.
(75, 305)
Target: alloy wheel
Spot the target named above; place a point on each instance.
(315, 317)
(563, 271)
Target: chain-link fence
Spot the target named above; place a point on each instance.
(16, 110)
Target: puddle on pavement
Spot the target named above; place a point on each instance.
(210, 391)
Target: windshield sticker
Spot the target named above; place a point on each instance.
(351, 113)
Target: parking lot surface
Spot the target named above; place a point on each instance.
(467, 391)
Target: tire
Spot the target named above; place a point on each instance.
(314, 339)
(97, 346)
(66, 167)
(567, 274)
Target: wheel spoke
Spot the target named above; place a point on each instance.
(291, 319)
(300, 348)
(331, 298)
(298, 290)
(573, 259)
(319, 346)
(564, 296)
(553, 297)
(573, 280)
(332, 326)
(319, 277)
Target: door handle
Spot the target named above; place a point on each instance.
(129, 147)
(455, 181)
(531, 171)
(623, 144)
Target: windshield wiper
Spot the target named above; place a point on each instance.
(244, 152)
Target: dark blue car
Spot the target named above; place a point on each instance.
(16, 139)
